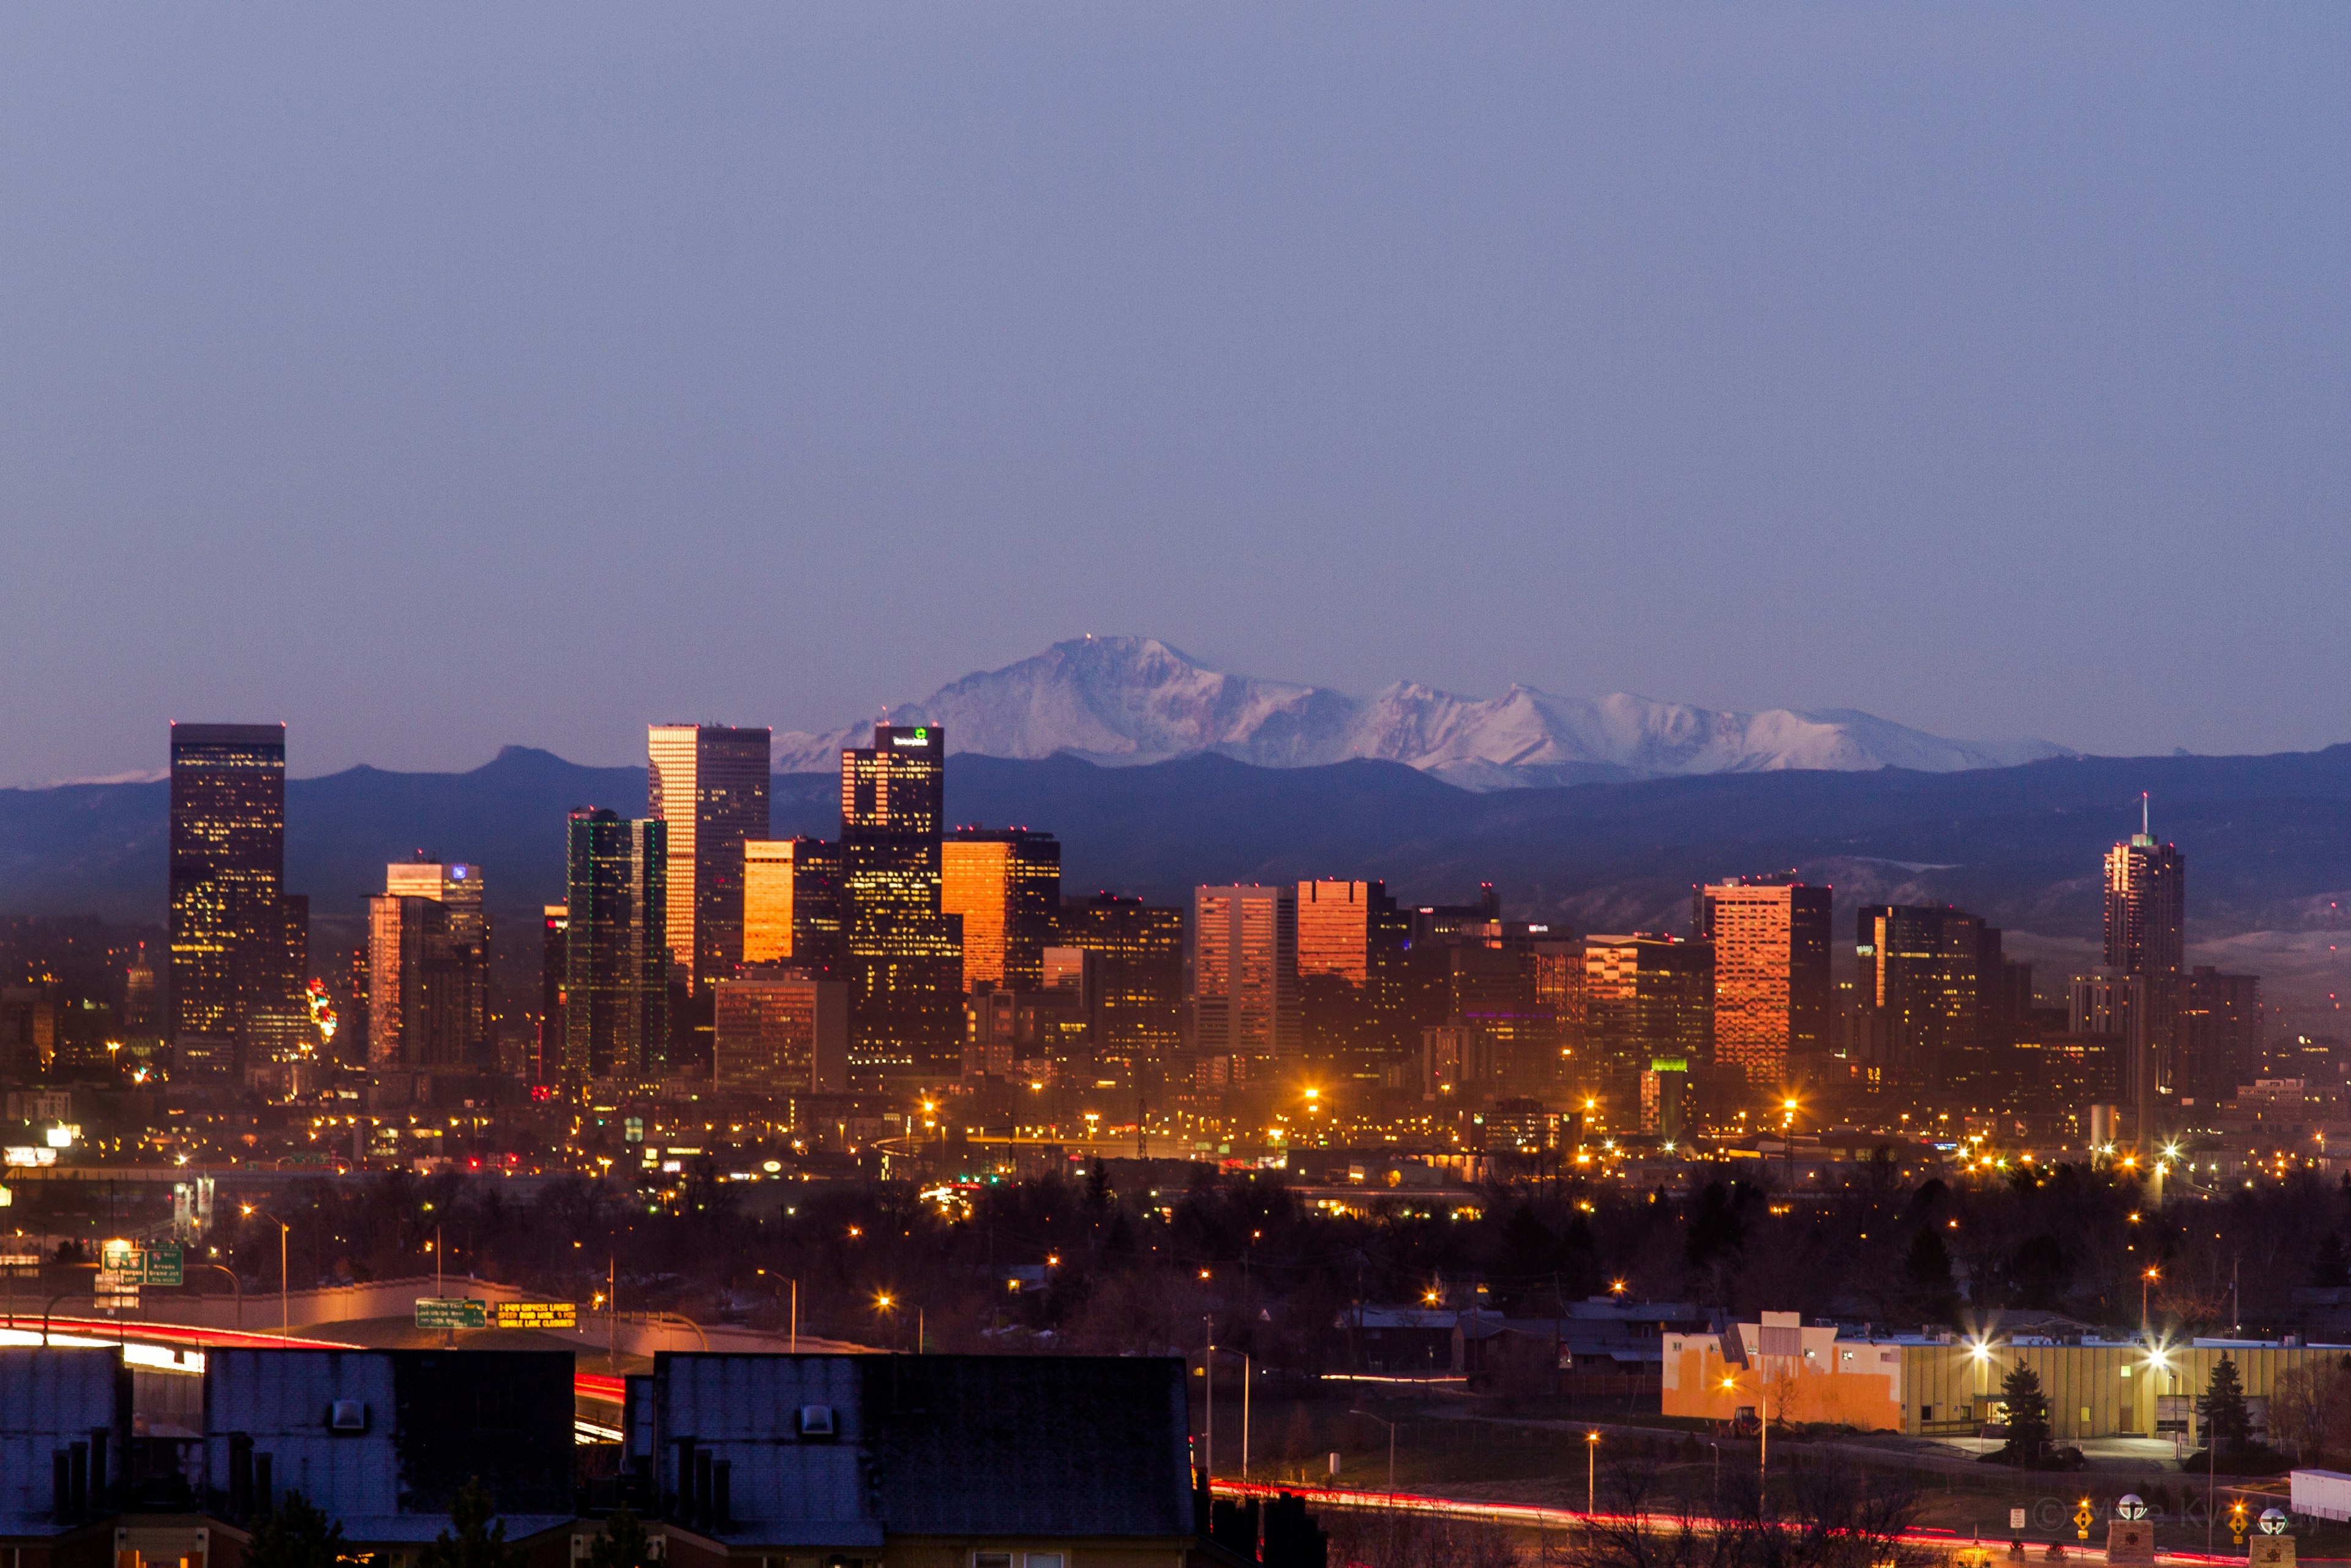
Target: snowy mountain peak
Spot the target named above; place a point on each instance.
(1138, 699)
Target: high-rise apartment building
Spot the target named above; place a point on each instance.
(228, 921)
(1771, 990)
(707, 783)
(1005, 887)
(904, 951)
(1245, 970)
(1920, 991)
(616, 958)
(791, 904)
(1646, 998)
(429, 968)
(1137, 953)
(779, 1037)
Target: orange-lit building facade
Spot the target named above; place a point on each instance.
(791, 903)
(708, 784)
(1006, 886)
(1771, 989)
(1645, 996)
(1245, 970)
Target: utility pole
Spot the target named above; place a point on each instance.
(796, 1317)
(1208, 1373)
(1245, 1415)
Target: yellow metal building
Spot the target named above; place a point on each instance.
(2096, 1389)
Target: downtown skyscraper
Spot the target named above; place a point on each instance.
(429, 968)
(707, 784)
(2146, 943)
(616, 952)
(1771, 986)
(1245, 971)
(904, 951)
(229, 917)
(1004, 885)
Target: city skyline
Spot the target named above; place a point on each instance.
(1768, 357)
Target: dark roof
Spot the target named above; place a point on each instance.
(932, 1444)
(434, 1420)
(51, 1396)
(975, 1445)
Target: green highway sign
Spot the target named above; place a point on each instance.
(452, 1313)
(135, 1265)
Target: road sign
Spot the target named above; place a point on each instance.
(451, 1312)
(538, 1315)
(141, 1265)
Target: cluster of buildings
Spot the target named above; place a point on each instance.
(696, 958)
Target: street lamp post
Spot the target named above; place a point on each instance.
(1762, 1440)
(2144, 1280)
(284, 1310)
(1591, 1474)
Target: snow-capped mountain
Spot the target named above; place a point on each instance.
(1137, 699)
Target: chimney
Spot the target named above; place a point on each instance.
(702, 1486)
(240, 1476)
(722, 1493)
(683, 1508)
(61, 1485)
(80, 1500)
(98, 1440)
(265, 1495)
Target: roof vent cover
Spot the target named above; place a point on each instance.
(348, 1415)
(816, 1420)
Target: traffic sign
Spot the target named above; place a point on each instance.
(140, 1265)
(538, 1314)
(451, 1312)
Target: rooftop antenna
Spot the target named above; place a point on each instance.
(2143, 826)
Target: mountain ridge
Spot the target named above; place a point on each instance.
(1126, 700)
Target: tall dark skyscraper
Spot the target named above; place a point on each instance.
(1921, 991)
(904, 952)
(228, 918)
(429, 968)
(616, 968)
(708, 784)
(554, 962)
(1137, 950)
(2147, 930)
(1647, 997)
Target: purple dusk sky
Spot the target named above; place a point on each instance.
(431, 377)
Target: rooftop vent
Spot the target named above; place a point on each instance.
(348, 1415)
(816, 1420)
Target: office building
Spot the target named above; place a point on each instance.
(429, 967)
(780, 1035)
(2146, 935)
(2219, 1033)
(707, 784)
(1245, 971)
(1920, 992)
(1646, 997)
(1136, 953)
(1005, 887)
(903, 953)
(554, 958)
(1351, 944)
(791, 904)
(1665, 1098)
(616, 960)
(1772, 991)
(227, 854)
(1503, 979)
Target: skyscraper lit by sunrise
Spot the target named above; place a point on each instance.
(791, 904)
(1772, 986)
(708, 783)
(1245, 970)
(1005, 887)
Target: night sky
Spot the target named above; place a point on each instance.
(436, 377)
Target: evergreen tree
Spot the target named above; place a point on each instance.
(2227, 1426)
(623, 1544)
(2330, 1269)
(480, 1541)
(2027, 1414)
(295, 1534)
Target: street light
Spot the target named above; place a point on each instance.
(2144, 1280)
(285, 1312)
(1390, 1426)
(1591, 1474)
(1764, 1440)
